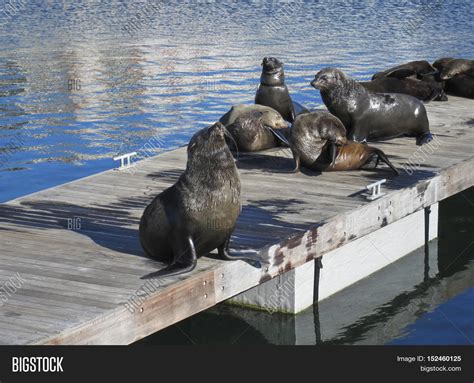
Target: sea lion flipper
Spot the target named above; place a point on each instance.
(297, 159)
(184, 263)
(279, 135)
(424, 138)
(333, 153)
(292, 112)
(224, 253)
(381, 155)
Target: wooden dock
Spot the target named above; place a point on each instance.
(76, 251)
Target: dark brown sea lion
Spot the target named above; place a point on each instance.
(310, 133)
(254, 127)
(460, 85)
(413, 69)
(454, 67)
(425, 91)
(318, 142)
(371, 116)
(198, 213)
(440, 63)
(273, 91)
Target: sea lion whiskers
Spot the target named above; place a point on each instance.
(230, 137)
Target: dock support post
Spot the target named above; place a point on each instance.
(299, 288)
(427, 240)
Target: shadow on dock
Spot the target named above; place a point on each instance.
(112, 226)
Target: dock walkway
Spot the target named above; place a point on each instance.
(75, 252)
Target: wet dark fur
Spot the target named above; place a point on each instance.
(422, 90)
(253, 127)
(412, 69)
(198, 213)
(250, 133)
(371, 116)
(273, 91)
(310, 133)
(460, 84)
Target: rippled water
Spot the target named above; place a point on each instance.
(78, 85)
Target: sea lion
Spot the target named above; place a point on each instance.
(440, 63)
(351, 156)
(455, 67)
(318, 142)
(413, 69)
(254, 127)
(422, 90)
(310, 133)
(199, 212)
(273, 91)
(371, 116)
(460, 85)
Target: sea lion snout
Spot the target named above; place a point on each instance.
(325, 78)
(445, 75)
(271, 64)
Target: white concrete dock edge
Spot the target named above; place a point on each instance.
(293, 291)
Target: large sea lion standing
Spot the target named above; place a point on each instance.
(273, 91)
(254, 127)
(198, 213)
(371, 116)
(318, 140)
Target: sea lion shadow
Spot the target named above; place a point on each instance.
(266, 222)
(394, 182)
(170, 176)
(110, 226)
(267, 162)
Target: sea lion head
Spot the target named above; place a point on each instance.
(272, 119)
(441, 63)
(335, 133)
(208, 145)
(271, 65)
(424, 68)
(454, 67)
(328, 78)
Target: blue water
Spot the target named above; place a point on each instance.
(450, 323)
(78, 86)
(79, 89)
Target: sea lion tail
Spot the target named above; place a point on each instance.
(382, 156)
